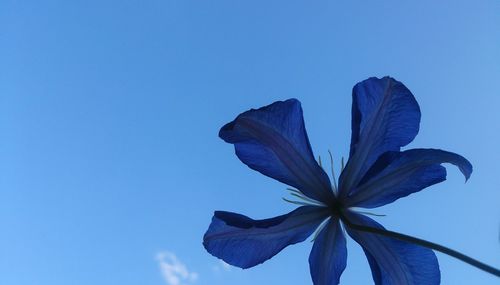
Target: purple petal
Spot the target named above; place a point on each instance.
(404, 173)
(394, 262)
(273, 141)
(385, 117)
(243, 242)
(328, 256)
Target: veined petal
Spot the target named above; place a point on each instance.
(394, 262)
(385, 117)
(328, 256)
(273, 141)
(243, 242)
(399, 174)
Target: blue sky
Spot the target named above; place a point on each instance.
(110, 164)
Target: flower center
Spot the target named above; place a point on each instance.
(336, 208)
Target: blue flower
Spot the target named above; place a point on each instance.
(273, 141)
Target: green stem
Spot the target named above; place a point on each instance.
(424, 243)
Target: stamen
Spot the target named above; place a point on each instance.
(361, 211)
(319, 229)
(342, 164)
(294, 190)
(319, 161)
(306, 201)
(371, 214)
(296, 202)
(334, 186)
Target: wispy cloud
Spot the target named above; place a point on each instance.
(173, 270)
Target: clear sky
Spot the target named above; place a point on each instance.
(110, 164)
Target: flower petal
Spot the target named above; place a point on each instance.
(273, 141)
(328, 256)
(243, 242)
(399, 174)
(394, 262)
(385, 117)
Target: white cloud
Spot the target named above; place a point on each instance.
(174, 271)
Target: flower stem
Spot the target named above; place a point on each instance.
(424, 243)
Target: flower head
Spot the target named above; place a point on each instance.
(273, 141)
